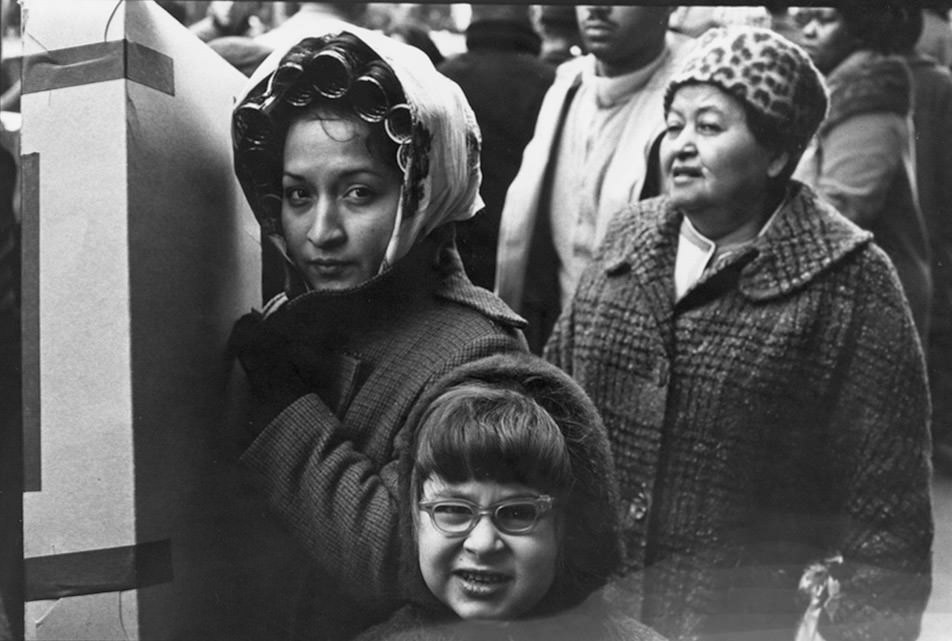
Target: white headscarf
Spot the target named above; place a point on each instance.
(442, 176)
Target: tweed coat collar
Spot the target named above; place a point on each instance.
(807, 237)
(328, 319)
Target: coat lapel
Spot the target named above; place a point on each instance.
(655, 231)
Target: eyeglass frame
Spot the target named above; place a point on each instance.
(543, 504)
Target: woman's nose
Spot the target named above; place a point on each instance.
(684, 147)
(325, 228)
(598, 12)
(483, 538)
(809, 29)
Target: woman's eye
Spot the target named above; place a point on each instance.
(673, 128)
(360, 193)
(708, 127)
(295, 195)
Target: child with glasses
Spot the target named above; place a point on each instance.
(509, 511)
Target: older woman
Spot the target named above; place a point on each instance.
(356, 157)
(757, 368)
(863, 160)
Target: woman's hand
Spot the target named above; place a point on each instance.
(276, 366)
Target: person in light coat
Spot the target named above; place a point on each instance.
(589, 157)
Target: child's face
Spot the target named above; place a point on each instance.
(487, 573)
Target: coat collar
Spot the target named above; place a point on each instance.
(432, 268)
(868, 82)
(455, 286)
(807, 238)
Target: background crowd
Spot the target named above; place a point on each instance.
(505, 57)
(688, 317)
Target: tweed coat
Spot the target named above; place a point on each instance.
(328, 462)
(775, 416)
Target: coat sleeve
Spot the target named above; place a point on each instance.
(860, 158)
(334, 500)
(880, 453)
(521, 204)
(558, 348)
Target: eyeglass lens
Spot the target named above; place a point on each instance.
(457, 517)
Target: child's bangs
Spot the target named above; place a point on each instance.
(474, 432)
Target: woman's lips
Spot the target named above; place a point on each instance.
(680, 174)
(326, 266)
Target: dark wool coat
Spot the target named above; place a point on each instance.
(600, 618)
(933, 120)
(327, 463)
(504, 82)
(774, 416)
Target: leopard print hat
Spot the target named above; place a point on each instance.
(764, 70)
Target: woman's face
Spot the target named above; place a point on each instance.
(339, 202)
(714, 168)
(824, 36)
(486, 574)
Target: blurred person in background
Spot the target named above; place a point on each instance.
(588, 158)
(241, 52)
(756, 365)
(558, 28)
(932, 116)
(313, 19)
(863, 157)
(936, 38)
(416, 35)
(228, 18)
(230, 28)
(781, 20)
(504, 81)
(693, 20)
